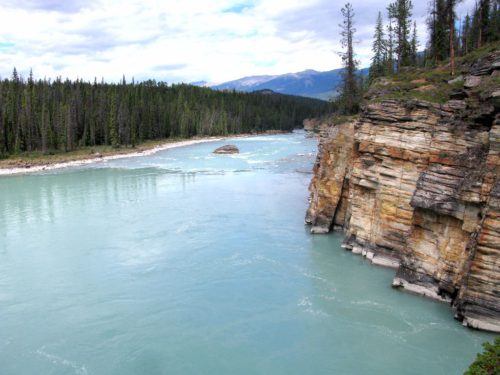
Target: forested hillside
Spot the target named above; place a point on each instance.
(396, 46)
(41, 115)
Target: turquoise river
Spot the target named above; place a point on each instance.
(184, 262)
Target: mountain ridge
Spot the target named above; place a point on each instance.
(308, 83)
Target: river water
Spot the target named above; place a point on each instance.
(185, 262)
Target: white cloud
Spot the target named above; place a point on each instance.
(180, 41)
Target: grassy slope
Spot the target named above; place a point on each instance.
(429, 84)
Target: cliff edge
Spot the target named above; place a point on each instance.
(415, 184)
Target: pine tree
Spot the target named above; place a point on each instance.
(438, 25)
(451, 20)
(414, 44)
(475, 28)
(466, 30)
(494, 29)
(112, 123)
(349, 95)
(15, 111)
(484, 19)
(389, 56)
(377, 67)
(401, 11)
(3, 148)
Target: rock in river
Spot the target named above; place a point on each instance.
(227, 149)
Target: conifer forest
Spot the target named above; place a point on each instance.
(48, 116)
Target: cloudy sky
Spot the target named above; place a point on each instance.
(181, 40)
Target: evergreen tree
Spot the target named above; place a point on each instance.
(389, 56)
(494, 24)
(475, 34)
(466, 31)
(438, 25)
(349, 95)
(414, 45)
(401, 11)
(112, 124)
(451, 21)
(484, 20)
(378, 67)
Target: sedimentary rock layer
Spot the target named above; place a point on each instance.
(416, 186)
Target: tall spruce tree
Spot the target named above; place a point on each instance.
(439, 31)
(484, 19)
(494, 29)
(401, 11)
(450, 7)
(349, 95)
(112, 125)
(475, 27)
(466, 30)
(414, 44)
(389, 56)
(378, 66)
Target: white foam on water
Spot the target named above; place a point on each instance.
(244, 156)
(260, 257)
(241, 262)
(183, 228)
(306, 302)
(59, 361)
(314, 277)
(259, 139)
(327, 297)
(370, 303)
(317, 312)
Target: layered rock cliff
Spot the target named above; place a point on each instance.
(415, 184)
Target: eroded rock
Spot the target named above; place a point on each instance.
(416, 185)
(472, 81)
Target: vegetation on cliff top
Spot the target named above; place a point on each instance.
(399, 72)
(434, 85)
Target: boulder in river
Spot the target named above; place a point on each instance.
(227, 149)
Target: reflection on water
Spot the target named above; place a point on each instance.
(31, 199)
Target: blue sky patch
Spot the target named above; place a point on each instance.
(5, 45)
(266, 64)
(237, 8)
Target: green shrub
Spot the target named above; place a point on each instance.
(487, 362)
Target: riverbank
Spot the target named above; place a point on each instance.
(13, 166)
(37, 162)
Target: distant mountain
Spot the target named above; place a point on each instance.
(309, 83)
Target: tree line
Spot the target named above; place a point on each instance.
(395, 44)
(446, 40)
(63, 115)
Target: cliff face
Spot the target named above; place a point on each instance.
(416, 186)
